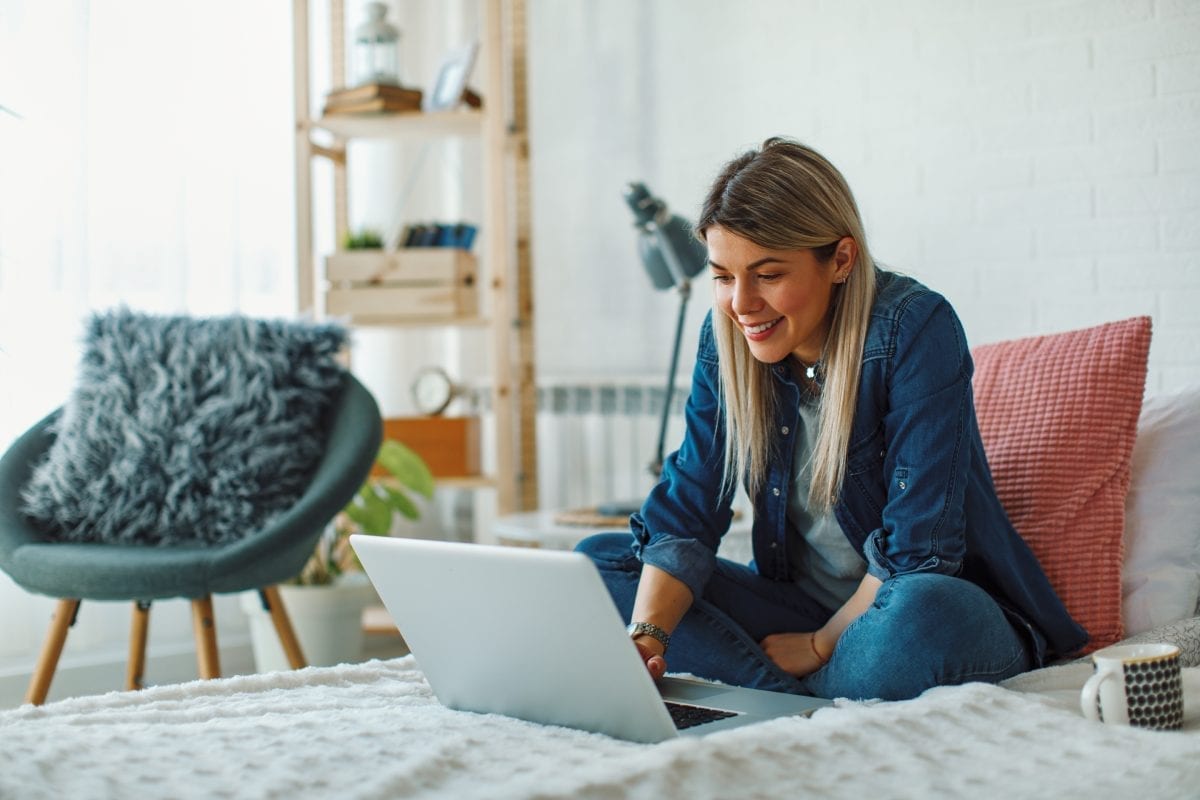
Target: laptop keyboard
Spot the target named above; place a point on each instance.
(685, 716)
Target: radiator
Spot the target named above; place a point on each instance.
(596, 439)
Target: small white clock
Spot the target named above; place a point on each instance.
(432, 390)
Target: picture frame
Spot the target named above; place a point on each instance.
(451, 80)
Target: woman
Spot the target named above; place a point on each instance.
(839, 395)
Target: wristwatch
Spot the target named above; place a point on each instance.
(637, 629)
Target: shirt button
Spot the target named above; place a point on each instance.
(785, 430)
(902, 485)
(773, 545)
(775, 492)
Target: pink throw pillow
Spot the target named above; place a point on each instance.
(1058, 415)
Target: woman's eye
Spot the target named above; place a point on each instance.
(722, 278)
(769, 276)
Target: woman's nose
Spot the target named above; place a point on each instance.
(745, 299)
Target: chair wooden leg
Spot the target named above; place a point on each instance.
(204, 626)
(137, 645)
(272, 601)
(43, 673)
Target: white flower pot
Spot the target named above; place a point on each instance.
(327, 621)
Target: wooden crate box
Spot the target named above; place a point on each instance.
(407, 284)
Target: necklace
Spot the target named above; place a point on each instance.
(815, 371)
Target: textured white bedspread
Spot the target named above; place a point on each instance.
(374, 730)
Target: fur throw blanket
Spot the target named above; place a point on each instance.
(183, 430)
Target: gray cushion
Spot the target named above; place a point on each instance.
(1184, 634)
(97, 571)
(186, 430)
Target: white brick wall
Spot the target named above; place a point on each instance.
(1038, 162)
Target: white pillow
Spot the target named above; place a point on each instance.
(1160, 581)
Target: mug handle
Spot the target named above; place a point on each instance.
(1087, 698)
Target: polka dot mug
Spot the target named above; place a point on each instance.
(1138, 685)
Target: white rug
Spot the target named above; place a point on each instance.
(374, 730)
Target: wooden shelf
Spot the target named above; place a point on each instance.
(402, 125)
(443, 482)
(473, 482)
(496, 296)
(376, 621)
(422, 322)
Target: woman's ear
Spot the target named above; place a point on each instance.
(844, 259)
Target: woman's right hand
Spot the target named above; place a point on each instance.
(650, 649)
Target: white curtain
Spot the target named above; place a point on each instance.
(145, 160)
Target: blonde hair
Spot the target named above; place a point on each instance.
(786, 196)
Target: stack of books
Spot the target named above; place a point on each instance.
(372, 97)
(437, 234)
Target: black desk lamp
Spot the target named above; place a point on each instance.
(672, 256)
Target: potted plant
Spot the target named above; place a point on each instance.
(326, 600)
(363, 239)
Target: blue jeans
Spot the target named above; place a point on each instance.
(923, 630)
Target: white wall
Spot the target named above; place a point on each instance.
(141, 171)
(1037, 162)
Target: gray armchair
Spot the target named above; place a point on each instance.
(74, 572)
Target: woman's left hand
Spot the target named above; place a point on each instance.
(793, 653)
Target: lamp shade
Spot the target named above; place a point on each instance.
(670, 253)
(656, 266)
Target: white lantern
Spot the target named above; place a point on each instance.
(376, 48)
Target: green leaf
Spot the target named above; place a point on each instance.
(406, 467)
(363, 239)
(401, 503)
(372, 513)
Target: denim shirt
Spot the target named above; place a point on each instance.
(917, 495)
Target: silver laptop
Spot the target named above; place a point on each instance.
(534, 634)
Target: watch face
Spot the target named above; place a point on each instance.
(432, 391)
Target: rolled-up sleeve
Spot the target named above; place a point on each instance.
(926, 446)
(684, 517)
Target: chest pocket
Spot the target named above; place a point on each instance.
(867, 454)
(864, 475)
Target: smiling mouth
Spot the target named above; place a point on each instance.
(766, 326)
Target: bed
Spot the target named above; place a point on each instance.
(374, 730)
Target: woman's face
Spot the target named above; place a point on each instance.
(779, 299)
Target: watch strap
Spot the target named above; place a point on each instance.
(637, 629)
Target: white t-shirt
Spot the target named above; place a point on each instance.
(824, 564)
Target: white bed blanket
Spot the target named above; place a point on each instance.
(374, 730)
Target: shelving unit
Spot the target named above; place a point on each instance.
(502, 252)
(404, 125)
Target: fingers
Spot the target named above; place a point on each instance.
(656, 665)
(771, 646)
(792, 652)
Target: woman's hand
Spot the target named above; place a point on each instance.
(795, 653)
(662, 599)
(650, 649)
(801, 654)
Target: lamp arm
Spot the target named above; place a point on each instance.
(685, 291)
